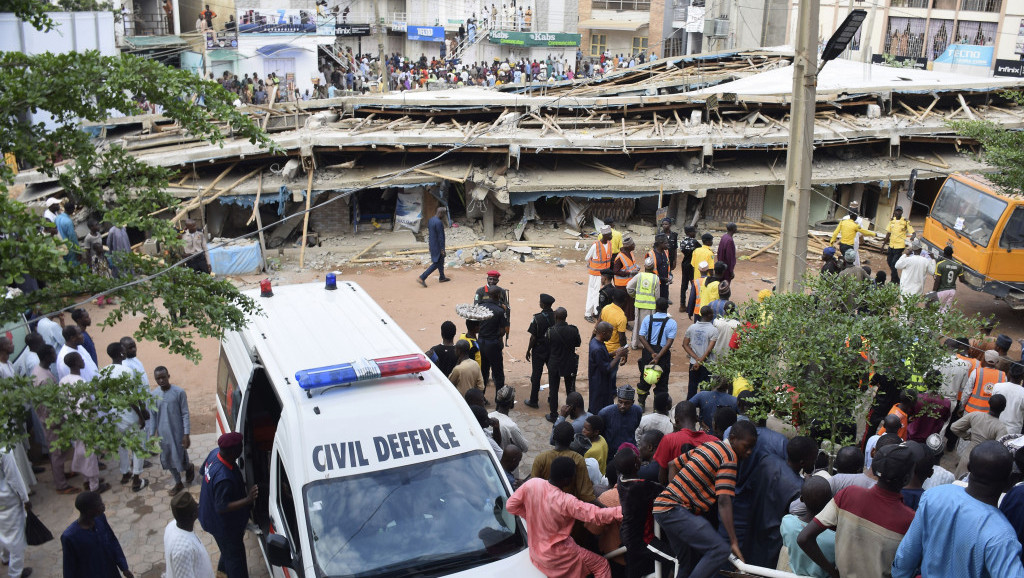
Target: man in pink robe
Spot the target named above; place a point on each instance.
(550, 512)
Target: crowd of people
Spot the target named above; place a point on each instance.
(715, 478)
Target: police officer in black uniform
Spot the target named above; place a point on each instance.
(538, 351)
(687, 246)
(492, 331)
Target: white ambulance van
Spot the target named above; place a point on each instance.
(369, 463)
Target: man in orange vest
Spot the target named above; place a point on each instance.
(901, 410)
(599, 257)
(981, 381)
(693, 302)
(625, 269)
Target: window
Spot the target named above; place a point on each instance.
(967, 210)
(982, 5)
(286, 505)
(905, 37)
(939, 33)
(598, 44)
(1013, 232)
(676, 46)
(641, 5)
(976, 33)
(639, 44)
(441, 516)
(227, 391)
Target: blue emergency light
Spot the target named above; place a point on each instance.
(332, 282)
(361, 370)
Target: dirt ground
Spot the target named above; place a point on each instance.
(559, 271)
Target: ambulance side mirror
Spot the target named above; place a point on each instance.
(279, 551)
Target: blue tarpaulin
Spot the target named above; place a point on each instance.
(236, 259)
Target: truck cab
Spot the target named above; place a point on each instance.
(986, 230)
(369, 462)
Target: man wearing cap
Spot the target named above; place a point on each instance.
(224, 504)
(563, 362)
(851, 269)
(645, 288)
(435, 239)
(52, 209)
(497, 294)
(693, 302)
(661, 263)
(599, 258)
(184, 555)
(621, 420)
(896, 233)
(673, 241)
(616, 237)
(626, 268)
(538, 351)
(869, 523)
(829, 264)
(913, 267)
(1003, 345)
(467, 374)
(981, 381)
(656, 333)
(66, 230)
(504, 401)
(959, 531)
(727, 252)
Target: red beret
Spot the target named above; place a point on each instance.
(229, 440)
(493, 273)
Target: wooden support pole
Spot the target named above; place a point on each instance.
(305, 219)
(259, 221)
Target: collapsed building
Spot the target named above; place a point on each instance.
(701, 137)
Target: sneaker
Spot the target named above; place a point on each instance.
(125, 478)
(531, 403)
(177, 488)
(445, 280)
(69, 491)
(139, 483)
(190, 473)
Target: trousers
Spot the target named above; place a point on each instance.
(538, 362)
(687, 531)
(435, 266)
(232, 554)
(891, 258)
(697, 376)
(492, 362)
(554, 377)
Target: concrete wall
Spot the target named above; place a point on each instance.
(74, 32)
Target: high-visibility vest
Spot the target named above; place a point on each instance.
(602, 258)
(904, 419)
(629, 268)
(972, 365)
(645, 298)
(653, 255)
(984, 379)
(698, 287)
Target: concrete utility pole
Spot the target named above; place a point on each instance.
(797, 197)
(382, 33)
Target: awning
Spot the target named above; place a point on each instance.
(222, 54)
(153, 42)
(275, 49)
(625, 25)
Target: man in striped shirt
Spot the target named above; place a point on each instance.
(700, 478)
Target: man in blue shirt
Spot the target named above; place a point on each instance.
(224, 504)
(66, 231)
(603, 367)
(90, 547)
(656, 335)
(708, 402)
(960, 532)
(620, 422)
(435, 238)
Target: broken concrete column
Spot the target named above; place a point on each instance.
(488, 217)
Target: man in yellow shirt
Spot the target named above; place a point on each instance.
(703, 253)
(616, 237)
(616, 317)
(593, 430)
(896, 234)
(847, 230)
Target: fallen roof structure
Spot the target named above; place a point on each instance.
(680, 125)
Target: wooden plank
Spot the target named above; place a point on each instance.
(195, 202)
(755, 254)
(305, 220)
(259, 222)
(967, 109)
(928, 110)
(367, 249)
(926, 161)
(230, 188)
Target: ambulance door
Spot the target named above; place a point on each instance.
(283, 522)
(234, 372)
(258, 418)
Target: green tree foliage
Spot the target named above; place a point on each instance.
(1001, 148)
(112, 185)
(802, 351)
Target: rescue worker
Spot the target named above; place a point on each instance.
(982, 380)
(492, 330)
(644, 289)
(599, 258)
(538, 350)
(224, 504)
(696, 290)
(661, 263)
(703, 253)
(657, 333)
(625, 268)
(896, 233)
(846, 231)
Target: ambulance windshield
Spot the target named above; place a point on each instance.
(426, 519)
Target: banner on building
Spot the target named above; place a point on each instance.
(398, 26)
(534, 38)
(904, 61)
(221, 39)
(352, 30)
(280, 21)
(967, 55)
(426, 33)
(1011, 68)
(695, 19)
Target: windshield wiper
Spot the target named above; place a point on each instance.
(433, 564)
